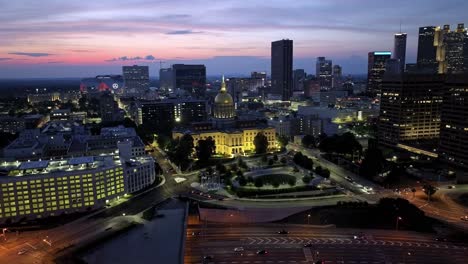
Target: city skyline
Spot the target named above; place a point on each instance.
(100, 38)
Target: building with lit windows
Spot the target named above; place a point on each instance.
(136, 78)
(410, 110)
(42, 188)
(454, 125)
(232, 136)
(282, 68)
(324, 73)
(376, 70)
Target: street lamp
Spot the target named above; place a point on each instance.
(308, 219)
(397, 221)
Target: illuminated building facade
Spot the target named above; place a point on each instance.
(38, 189)
(454, 124)
(282, 68)
(101, 83)
(376, 69)
(410, 111)
(323, 72)
(231, 136)
(171, 112)
(136, 78)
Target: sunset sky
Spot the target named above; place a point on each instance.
(51, 38)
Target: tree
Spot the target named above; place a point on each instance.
(242, 180)
(250, 179)
(205, 149)
(183, 150)
(372, 164)
(270, 162)
(261, 143)
(283, 141)
(429, 190)
(258, 182)
(275, 157)
(234, 167)
(292, 182)
(306, 179)
(325, 173)
(264, 159)
(209, 170)
(308, 141)
(220, 168)
(163, 141)
(275, 184)
(283, 160)
(239, 173)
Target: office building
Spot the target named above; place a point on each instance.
(165, 79)
(399, 50)
(166, 114)
(258, 75)
(324, 73)
(454, 125)
(299, 77)
(410, 109)
(109, 109)
(427, 51)
(38, 189)
(136, 78)
(337, 81)
(393, 67)
(190, 78)
(455, 45)
(376, 70)
(282, 68)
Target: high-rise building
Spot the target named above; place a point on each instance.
(165, 115)
(454, 124)
(299, 76)
(323, 72)
(136, 78)
(191, 78)
(337, 81)
(427, 51)
(109, 109)
(410, 107)
(399, 50)
(282, 68)
(165, 79)
(376, 70)
(455, 50)
(393, 67)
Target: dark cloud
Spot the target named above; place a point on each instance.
(137, 58)
(183, 32)
(31, 54)
(4, 59)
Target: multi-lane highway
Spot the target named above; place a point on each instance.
(329, 245)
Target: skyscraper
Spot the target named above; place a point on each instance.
(427, 51)
(399, 49)
(136, 78)
(299, 77)
(454, 124)
(282, 68)
(165, 79)
(191, 78)
(455, 50)
(323, 71)
(410, 108)
(376, 70)
(337, 81)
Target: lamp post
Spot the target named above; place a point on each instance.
(397, 221)
(308, 219)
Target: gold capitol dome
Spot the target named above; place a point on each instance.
(223, 97)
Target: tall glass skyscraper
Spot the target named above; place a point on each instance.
(376, 70)
(399, 49)
(427, 51)
(282, 68)
(323, 70)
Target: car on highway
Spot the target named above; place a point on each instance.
(308, 245)
(359, 236)
(21, 252)
(283, 232)
(208, 258)
(262, 252)
(349, 179)
(441, 239)
(238, 249)
(451, 187)
(464, 218)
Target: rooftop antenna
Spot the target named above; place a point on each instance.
(400, 26)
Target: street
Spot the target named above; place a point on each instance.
(328, 244)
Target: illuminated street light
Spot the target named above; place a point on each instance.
(397, 221)
(308, 219)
